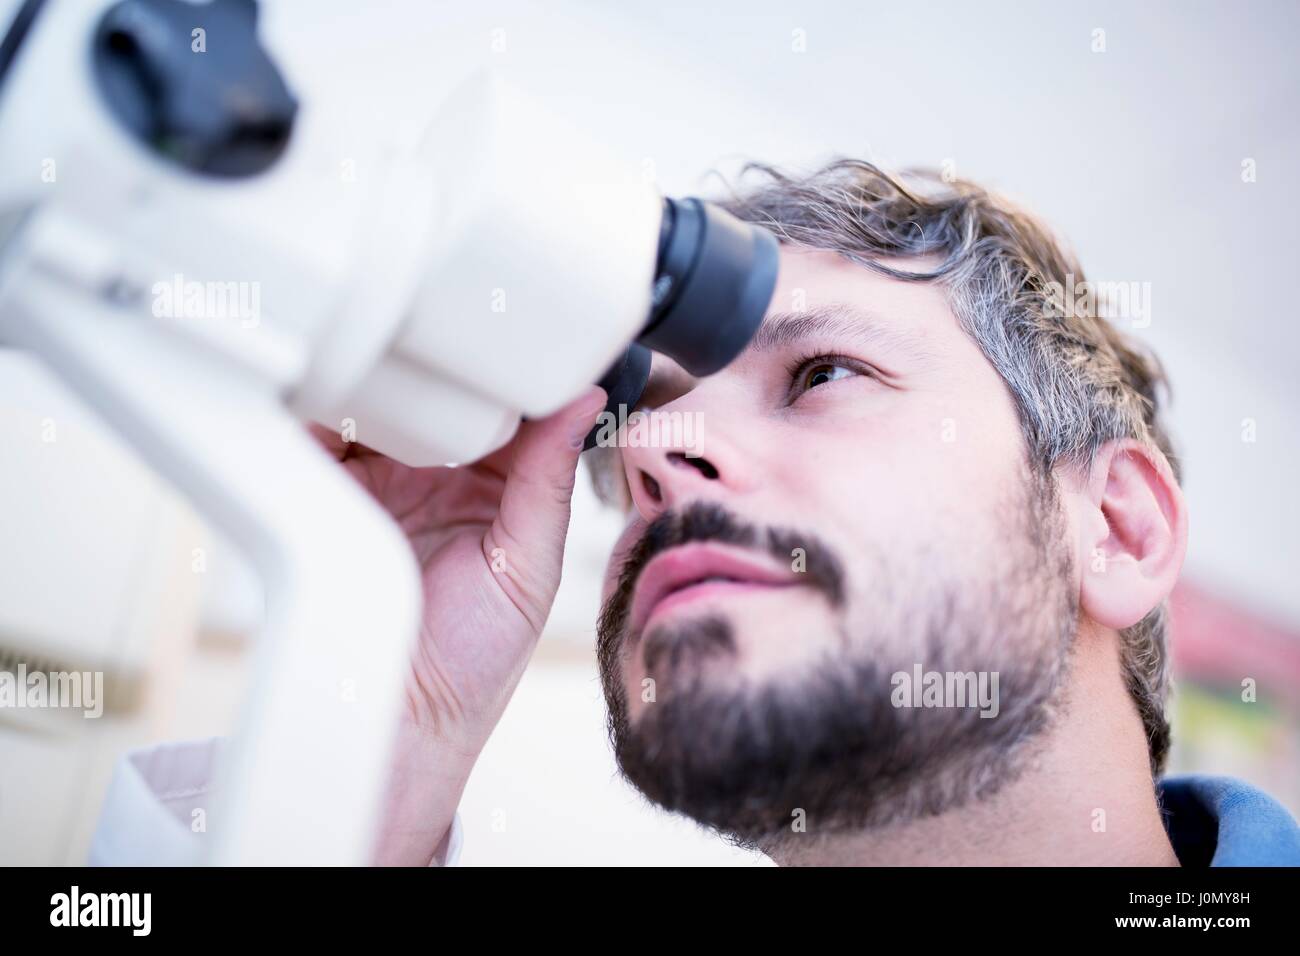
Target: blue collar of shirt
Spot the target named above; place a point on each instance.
(1221, 821)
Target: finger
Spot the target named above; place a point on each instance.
(331, 440)
(533, 519)
(339, 447)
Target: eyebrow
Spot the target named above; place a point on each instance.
(838, 320)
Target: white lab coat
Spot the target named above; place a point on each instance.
(149, 811)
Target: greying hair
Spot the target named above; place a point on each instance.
(1078, 382)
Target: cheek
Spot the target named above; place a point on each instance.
(927, 470)
(632, 531)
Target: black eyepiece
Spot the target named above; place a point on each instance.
(713, 282)
(712, 286)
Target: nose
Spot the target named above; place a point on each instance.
(679, 459)
(667, 476)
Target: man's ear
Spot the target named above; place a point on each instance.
(1134, 533)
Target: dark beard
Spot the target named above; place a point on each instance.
(824, 750)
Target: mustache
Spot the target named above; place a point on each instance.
(702, 521)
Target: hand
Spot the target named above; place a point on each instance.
(489, 538)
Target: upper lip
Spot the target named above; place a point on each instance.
(688, 564)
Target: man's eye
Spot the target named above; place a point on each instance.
(826, 372)
(821, 370)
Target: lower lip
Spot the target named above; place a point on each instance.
(702, 592)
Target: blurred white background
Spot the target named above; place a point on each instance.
(1134, 153)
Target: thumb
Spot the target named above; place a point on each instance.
(533, 519)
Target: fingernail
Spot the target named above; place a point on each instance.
(583, 421)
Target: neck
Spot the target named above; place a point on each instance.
(1086, 799)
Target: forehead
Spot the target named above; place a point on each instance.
(820, 282)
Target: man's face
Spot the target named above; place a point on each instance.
(857, 503)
